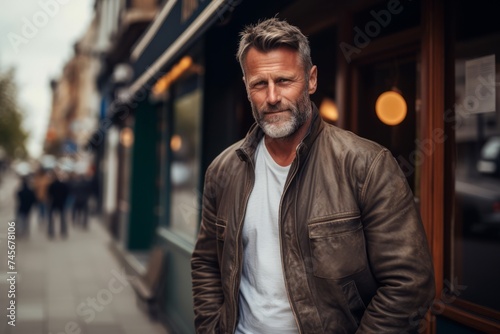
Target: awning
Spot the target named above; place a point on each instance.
(178, 24)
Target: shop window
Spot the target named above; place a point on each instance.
(473, 235)
(385, 67)
(185, 163)
(389, 126)
(181, 94)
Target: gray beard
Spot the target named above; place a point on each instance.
(301, 111)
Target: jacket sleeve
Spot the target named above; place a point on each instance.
(397, 250)
(207, 289)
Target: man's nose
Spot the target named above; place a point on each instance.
(273, 94)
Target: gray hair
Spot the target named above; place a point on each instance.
(272, 34)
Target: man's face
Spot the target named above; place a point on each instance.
(278, 90)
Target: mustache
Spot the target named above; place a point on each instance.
(276, 107)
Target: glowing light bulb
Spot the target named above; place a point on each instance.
(391, 108)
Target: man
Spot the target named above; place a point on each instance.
(58, 194)
(41, 182)
(25, 200)
(306, 228)
(80, 189)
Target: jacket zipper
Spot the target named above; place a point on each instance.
(287, 184)
(237, 274)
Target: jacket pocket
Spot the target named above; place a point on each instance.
(356, 305)
(337, 247)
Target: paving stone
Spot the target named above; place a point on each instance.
(29, 327)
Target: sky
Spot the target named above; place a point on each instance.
(37, 38)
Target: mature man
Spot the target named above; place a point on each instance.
(306, 228)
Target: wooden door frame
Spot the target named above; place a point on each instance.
(433, 105)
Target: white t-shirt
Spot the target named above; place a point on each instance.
(263, 303)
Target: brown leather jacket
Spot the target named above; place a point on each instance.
(354, 252)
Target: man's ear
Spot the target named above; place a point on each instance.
(313, 79)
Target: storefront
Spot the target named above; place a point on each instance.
(441, 69)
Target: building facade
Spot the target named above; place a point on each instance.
(75, 106)
(184, 102)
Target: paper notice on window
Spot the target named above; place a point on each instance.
(480, 85)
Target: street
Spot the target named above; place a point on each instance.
(63, 286)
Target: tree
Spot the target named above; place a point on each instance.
(12, 135)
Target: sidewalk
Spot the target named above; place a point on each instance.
(66, 286)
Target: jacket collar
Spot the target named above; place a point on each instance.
(246, 152)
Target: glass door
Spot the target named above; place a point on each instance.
(473, 119)
(388, 111)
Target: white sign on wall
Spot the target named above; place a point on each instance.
(480, 87)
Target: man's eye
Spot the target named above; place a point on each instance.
(259, 84)
(283, 80)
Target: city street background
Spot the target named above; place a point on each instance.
(54, 277)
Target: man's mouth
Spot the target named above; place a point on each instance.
(272, 112)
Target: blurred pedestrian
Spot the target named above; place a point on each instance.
(41, 181)
(81, 189)
(25, 200)
(58, 194)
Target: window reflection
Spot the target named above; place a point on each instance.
(185, 164)
(476, 228)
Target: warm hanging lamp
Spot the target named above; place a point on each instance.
(391, 107)
(328, 110)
